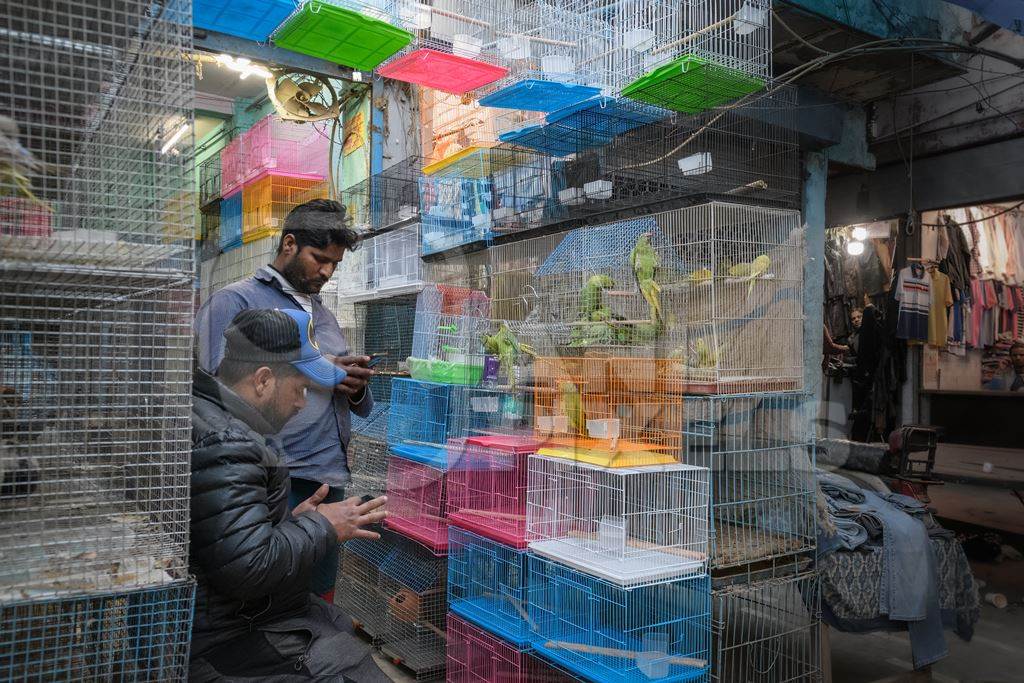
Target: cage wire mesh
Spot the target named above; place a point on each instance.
(487, 486)
(628, 526)
(417, 495)
(450, 124)
(487, 585)
(759, 449)
(766, 627)
(447, 341)
(129, 635)
(601, 631)
(476, 655)
(227, 267)
(711, 295)
(95, 433)
(356, 593)
(454, 211)
(368, 451)
(209, 180)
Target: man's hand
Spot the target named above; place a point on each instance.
(358, 374)
(350, 516)
(310, 503)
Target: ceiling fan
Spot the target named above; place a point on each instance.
(302, 96)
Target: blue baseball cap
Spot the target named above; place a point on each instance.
(280, 336)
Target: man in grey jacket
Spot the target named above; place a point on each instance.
(314, 240)
(255, 619)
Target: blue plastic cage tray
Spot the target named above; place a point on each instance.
(432, 456)
(249, 19)
(547, 139)
(534, 94)
(607, 117)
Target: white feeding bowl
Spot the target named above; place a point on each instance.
(571, 196)
(604, 429)
(466, 45)
(696, 164)
(638, 39)
(598, 189)
(557, 65)
(554, 424)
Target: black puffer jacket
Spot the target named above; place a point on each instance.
(251, 557)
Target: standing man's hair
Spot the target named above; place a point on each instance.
(319, 223)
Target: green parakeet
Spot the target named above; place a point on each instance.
(707, 356)
(592, 295)
(699, 276)
(507, 348)
(644, 260)
(572, 405)
(758, 267)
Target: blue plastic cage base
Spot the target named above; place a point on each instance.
(250, 19)
(534, 94)
(612, 669)
(491, 615)
(432, 456)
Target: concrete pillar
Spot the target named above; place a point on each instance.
(815, 184)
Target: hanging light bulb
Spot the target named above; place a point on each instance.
(860, 234)
(854, 248)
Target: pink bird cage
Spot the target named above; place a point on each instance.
(475, 656)
(487, 487)
(231, 167)
(25, 218)
(284, 149)
(416, 503)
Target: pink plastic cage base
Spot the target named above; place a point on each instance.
(442, 71)
(25, 218)
(475, 656)
(231, 163)
(487, 488)
(284, 148)
(416, 503)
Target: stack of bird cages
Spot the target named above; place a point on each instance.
(395, 196)
(447, 342)
(551, 50)
(602, 631)
(475, 655)
(688, 56)
(357, 586)
(284, 148)
(209, 181)
(95, 324)
(232, 167)
(455, 48)
(368, 451)
(759, 449)
(524, 191)
(766, 625)
(697, 293)
(487, 487)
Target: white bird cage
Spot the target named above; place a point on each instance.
(396, 267)
(550, 49)
(726, 315)
(630, 526)
(447, 341)
(237, 264)
(709, 51)
(353, 279)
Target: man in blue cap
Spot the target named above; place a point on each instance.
(255, 618)
(314, 240)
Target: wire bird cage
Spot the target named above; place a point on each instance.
(475, 655)
(524, 195)
(368, 452)
(447, 341)
(487, 487)
(128, 635)
(450, 124)
(759, 449)
(231, 221)
(283, 148)
(690, 56)
(602, 631)
(396, 267)
(395, 591)
(233, 265)
(487, 585)
(94, 430)
(715, 306)
(766, 626)
(454, 212)
(384, 327)
(746, 153)
(352, 280)
(454, 50)
(628, 526)
(209, 180)
(429, 420)
(417, 495)
(551, 50)
(268, 198)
